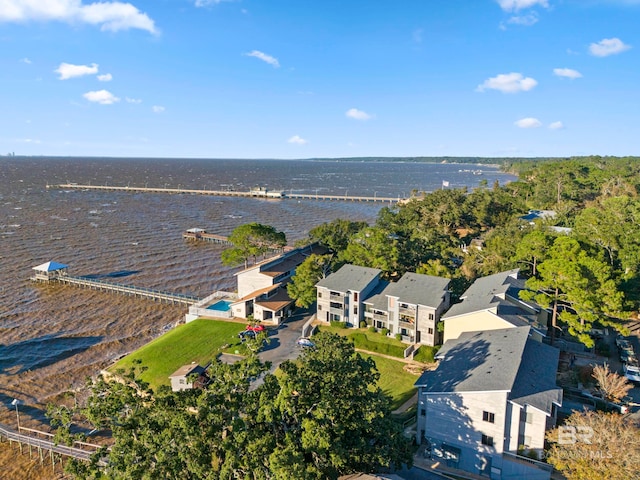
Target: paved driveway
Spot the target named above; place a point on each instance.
(282, 345)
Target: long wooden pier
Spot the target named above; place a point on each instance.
(198, 234)
(130, 290)
(261, 193)
(42, 445)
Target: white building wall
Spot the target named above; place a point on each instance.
(252, 280)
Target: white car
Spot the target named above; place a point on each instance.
(632, 372)
(305, 342)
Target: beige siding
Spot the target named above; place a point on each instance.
(473, 322)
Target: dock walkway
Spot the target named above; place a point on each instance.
(261, 193)
(130, 290)
(47, 445)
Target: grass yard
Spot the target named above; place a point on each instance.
(394, 381)
(198, 341)
(370, 341)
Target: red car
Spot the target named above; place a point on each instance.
(256, 328)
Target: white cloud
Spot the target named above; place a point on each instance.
(68, 70)
(358, 114)
(515, 5)
(103, 97)
(524, 20)
(528, 122)
(508, 83)
(608, 46)
(132, 100)
(556, 126)
(26, 60)
(158, 109)
(264, 57)
(110, 15)
(107, 77)
(297, 140)
(205, 3)
(567, 73)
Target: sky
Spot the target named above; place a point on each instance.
(330, 78)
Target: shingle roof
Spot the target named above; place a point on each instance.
(481, 295)
(419, 289)
(535, 384)
(186, 370)
(478, 361)
(350, 278)
(377, 299)
(497, 360)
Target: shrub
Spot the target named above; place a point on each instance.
(373, 329)
(339, 324)
(425, 354)
(363, 342)
(399, 337)
(384, 331)
(363, 324)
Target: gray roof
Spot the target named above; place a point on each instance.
(378, 299)
(497, 360)
(477, 361)
(350, 278)
(186, 370)
(483, 294)
(535, 384)
(419, 289)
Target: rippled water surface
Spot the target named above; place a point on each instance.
(51, 337)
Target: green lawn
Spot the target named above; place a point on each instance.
(394, 381)
(198, 341)
(371, 341)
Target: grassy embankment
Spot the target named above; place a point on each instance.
(198, 341)
(394, 380)
(365, 339)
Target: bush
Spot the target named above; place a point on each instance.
(373, 329)
(399, 337)
(363, 324)
(384, 331)
(425, 354)
(363, 342)
(339, 324)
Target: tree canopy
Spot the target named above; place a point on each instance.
(251, 241)
(323, 417)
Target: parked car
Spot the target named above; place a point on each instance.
(255, 328)
(305, 342)
(632, 371)
(247, 334)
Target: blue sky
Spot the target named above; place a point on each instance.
(332, 78)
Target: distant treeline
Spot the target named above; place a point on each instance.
(511, 164)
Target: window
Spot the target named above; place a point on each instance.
(423, 412)
(335, 305)
(355, 296)
(181, 381)
(526, 417)
(319, 307)
(431, 317)
(488, 417)
(487, 440)
(319, 294)
(355, 310)
(430, 331)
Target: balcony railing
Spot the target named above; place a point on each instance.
(411, 311)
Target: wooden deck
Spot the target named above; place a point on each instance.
(229, 193)
(32, 441)
(130, 290)
(206, 237)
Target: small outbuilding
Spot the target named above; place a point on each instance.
(182, 379)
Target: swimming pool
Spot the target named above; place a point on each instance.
(220, 306)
